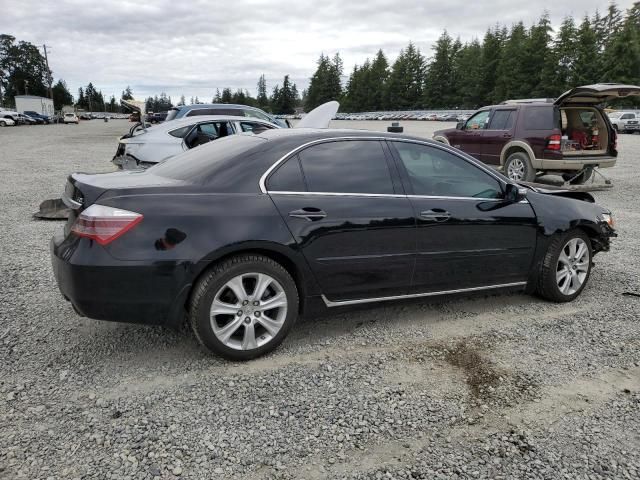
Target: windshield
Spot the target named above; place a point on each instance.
(171, 114)
(200, 162)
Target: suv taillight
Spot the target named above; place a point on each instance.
(104, 224)
(554, 142)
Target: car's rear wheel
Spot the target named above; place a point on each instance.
(3, 123)
(566, 267)
(244, 307)
(518, 167)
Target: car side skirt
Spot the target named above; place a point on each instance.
(340, 303)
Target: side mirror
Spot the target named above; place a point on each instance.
(460, 126)
(514, 193)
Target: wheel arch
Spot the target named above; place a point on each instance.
(442, 139)
(514, 147)
(290, 260)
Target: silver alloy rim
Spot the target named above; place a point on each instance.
(516, 169)
(248, 311)
(573, 266)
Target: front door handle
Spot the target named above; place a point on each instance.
(308, 213)
(506, 135)
(435, 215)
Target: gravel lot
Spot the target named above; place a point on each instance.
(503, 386)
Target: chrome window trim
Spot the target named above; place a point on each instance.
(447, 148)
(390, 195)
(340, 303)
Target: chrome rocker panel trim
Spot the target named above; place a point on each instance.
(340, 303)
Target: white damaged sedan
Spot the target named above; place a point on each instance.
(143, 148)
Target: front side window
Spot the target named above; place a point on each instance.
(438, 173)
(478, 121)
(355, 166)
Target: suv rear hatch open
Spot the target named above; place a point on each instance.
(586, 131)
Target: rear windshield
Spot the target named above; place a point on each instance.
(200, 162)
(541, 118)
(233, 112)
(171, 114)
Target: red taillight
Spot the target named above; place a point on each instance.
(554, 142)
(104, 224)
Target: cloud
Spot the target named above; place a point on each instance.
(194, 47)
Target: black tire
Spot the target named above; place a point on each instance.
(547, 280)
(3, 123)
(528, 172)
(584, 176)
(215, 279)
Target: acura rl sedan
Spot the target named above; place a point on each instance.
(246, 233)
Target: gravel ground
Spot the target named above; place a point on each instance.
(502, 386)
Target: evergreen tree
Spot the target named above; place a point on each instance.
(405, 84)
(182, 100)
(440, 84)
(262, 100)
(217, 98)
(376, 79)
(513, 80)
(585, 69)
(325, 84)
(492, 45)
(621, 59)
(283, 100)
(564, 52)
(127, 94)
(226, 96)
(467, 66)
(61, 95)
(540, 65)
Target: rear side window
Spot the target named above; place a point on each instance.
(287, 178)
(356, 166)
(180, 132)
(540, 118)
(256, 114)
(502, 120)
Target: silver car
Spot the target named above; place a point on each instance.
(143, 148)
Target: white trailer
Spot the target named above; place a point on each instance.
(33, 103)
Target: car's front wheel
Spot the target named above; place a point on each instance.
(566, 267)
(244, 307)
(518, 167)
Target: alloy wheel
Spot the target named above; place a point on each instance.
(573, 266)
(515, 170)
(248, 311)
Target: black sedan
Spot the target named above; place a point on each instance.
(246, 233)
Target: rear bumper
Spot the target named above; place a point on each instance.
(577, 163)
(104, 288)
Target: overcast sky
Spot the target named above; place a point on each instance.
(196, 46)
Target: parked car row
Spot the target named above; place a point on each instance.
(625, 121)
(10, 118)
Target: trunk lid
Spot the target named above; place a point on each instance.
(596, 94)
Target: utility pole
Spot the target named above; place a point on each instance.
(49, 76)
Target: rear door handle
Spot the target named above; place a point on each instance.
(436, 215)
(308, 213)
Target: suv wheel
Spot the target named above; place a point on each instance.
(566, 267)
(518, 167)
(244, 307)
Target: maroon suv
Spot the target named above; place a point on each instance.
(568, 136)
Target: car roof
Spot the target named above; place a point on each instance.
(311, 134)
(213, 105)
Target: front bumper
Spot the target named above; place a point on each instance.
(104, 288)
